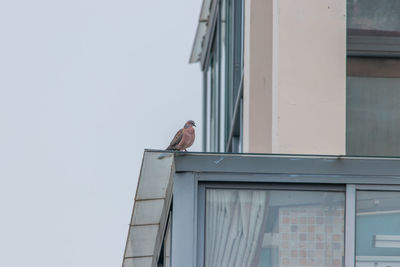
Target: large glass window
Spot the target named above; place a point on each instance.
(378, 229)
(373, 78)
(274, 228)
(372, 15)
(373, 106)
(223, 66)
(373, 27)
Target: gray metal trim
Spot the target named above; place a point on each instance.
(350, 230)
(382, 46)
(238, 31)
(205, 98)
(235, 119)
(289, 164)
(377, 187)
(281, 186)
(184, 220)
(138, 257)
(299, 178)
(208, 40)
(201, 223)
(218, 89)
(274, 186)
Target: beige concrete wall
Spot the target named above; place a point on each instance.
(257, 91)
(304, 78)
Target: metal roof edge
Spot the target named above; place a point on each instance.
(288, 164)
(201, 31)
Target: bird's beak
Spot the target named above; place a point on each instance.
(194, 125)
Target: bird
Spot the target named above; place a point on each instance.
(184, 138)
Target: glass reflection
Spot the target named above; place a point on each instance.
(274, 228)
(378, 229)
(383, 15)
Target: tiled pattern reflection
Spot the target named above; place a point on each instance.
(311, 237)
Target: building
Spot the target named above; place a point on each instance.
(300, 77)
(309, 91)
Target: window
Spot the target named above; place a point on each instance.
(280, 211)
(274, 228)
(373, 27)
(284, 225)
(373, 78)
(373, 106)
(222, 64)
(214, 103)
(378, 229)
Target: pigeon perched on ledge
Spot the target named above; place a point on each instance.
(184, 138)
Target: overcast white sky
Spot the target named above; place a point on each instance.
(85, 86)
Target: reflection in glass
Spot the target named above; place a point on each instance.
(274, 228)
(373, 115)
(378, 229)
(382, 15)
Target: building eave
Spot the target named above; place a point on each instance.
(198, 44)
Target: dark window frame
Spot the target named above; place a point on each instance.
(231, 138)
(203, 186)
(349, 188)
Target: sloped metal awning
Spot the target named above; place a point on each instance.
(150, 211)
(201, 32)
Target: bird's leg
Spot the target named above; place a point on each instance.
(185, 150)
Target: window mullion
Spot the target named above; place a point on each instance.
(350, 225)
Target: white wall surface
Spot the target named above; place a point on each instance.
(303, 104)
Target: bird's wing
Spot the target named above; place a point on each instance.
(176, 140)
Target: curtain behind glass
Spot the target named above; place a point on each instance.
(274, 228)
(234, 220)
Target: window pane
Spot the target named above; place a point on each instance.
(373, 28)
(378, 229)
(274, 228)
(373, 116)
(382, 15)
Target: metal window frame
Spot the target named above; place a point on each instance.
(208, 40)
(376, 67)
(373, 45)
(324, 187)
(184, 220)
(350, 226)
(194, 172)
(189, 207)
(233, 76)
(359, 188)
(205, 119)
(349, 189)
(234, 124)
(236, 121)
